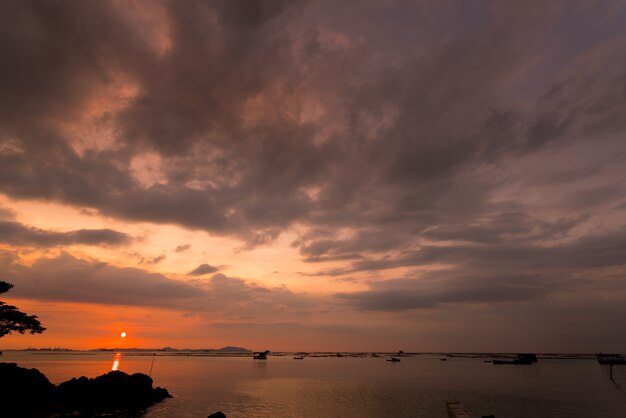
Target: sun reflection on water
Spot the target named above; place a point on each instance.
(116, 361)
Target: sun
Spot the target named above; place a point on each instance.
(123, 334)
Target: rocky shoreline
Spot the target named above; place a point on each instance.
(28, 393)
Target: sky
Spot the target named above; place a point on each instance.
(315, 175)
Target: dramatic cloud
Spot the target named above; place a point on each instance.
(66, 278)
(429, 292)
(235, 298)
(18, 234)
(69, 279)
(327, 134)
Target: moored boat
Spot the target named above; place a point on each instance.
(525, 359)
(262, 355)
(610, 359)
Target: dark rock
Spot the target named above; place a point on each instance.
(28, 393)
(218, 414)
(24, 392)
(112, 391)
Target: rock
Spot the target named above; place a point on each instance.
(218, 414)
(24, 392)
(112, 391)
(28, 393)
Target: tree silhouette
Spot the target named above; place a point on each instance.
(13, 320)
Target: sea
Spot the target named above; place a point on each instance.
(353, 386)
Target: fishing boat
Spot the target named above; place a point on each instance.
(393, 359)
(512, 361)
(525, 359)
(262, 355)
(610, 359)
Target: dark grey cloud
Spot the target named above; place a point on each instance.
(496, 273)
(509, 227)
(330, 247)
(70, 279)
(203, 269)
(78, 45)
(392, 140)
(66, 278)
(448, 287)
(15, 233)
(607, 250)
(504, 227)
(236, 298)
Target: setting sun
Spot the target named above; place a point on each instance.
(123, 334)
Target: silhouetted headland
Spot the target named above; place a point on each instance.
(29, 393)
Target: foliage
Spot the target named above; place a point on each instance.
(13, 320)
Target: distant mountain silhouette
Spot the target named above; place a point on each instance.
(231, 349)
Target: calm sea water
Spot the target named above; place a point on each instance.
(356, 387)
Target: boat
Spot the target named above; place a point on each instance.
(528, 357)
(610, 359)
(393, 359)
(262, 355)
(298, 357)
(513, 361)
(525, 359)
(443, 359)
